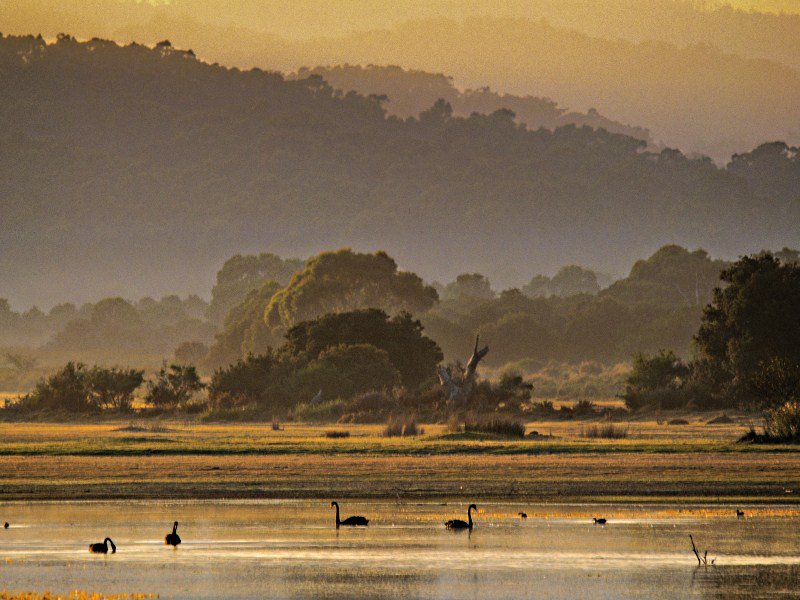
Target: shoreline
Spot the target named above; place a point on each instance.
(676, 478)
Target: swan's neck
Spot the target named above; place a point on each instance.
(469, 516)
(175, 529)
(337, 514)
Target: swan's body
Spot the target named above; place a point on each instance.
(349, 521)
(739, 513)
(599, 521)
(102, 547)
(523, 516)
(173, 539)
(6, 525)
(459, 524)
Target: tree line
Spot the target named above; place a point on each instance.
(339, 340)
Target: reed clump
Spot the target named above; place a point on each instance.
(608, 431)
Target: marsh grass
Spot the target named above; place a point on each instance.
(607, 431)
(495, 425)
(400, 426)
(155, 428)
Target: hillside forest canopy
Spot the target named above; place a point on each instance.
(188, 163)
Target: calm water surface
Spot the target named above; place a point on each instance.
(290, 549)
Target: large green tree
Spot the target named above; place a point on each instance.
(753, 320)
(243, 274)
(414, 355)
(673, 276)
(341, 281)
(244, 331)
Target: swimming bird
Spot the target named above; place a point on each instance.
(173, 539)
(599, 521)
(102, 547)
(6, 525)
(523, 516)
(739, 513)
(459, 524)
(353, 521)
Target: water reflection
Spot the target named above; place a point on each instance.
(293, 550)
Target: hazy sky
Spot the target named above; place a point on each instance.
(300, 19)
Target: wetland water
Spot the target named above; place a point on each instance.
(290, 549)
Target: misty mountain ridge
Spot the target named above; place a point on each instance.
(135, 170)
(689, 72)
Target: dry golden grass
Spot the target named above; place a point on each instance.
(174, 459)
(677, 476)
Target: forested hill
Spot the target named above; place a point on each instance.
(410, 92)
(130, 170)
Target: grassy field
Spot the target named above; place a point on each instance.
(174, 459)
(171, 437)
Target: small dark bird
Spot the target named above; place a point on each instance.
(739, 513)
(523, 516)
(102, 547)
(173, 539)
(351, 521)
(6, 525)
(599, 521)
(459, 524)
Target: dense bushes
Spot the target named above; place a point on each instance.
(656, 381)
(78, 389)
(335, 356)
(173, 386)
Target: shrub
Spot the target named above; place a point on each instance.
(495, 425)
(77, 389)
(678, 422)
(113, 388)
(394, 428)
(454, 424)
(782, 424)
(320, 412)
(65, 390)
(371, 402)
(608, 431)
(246, 381)
(584, 408)
(411, 429)
(337, 433)
(398, 426)
(173, 386)
(656, 381)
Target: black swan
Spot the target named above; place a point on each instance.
(739, 513)
(459, 524)
(102, 547)
(349, 520)
(598, 521)
(173, 539)
(523, 516)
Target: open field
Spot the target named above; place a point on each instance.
(636, 477)
(171, 437)
(174, 459)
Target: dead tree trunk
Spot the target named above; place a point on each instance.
(458, 388)
(477, 355)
